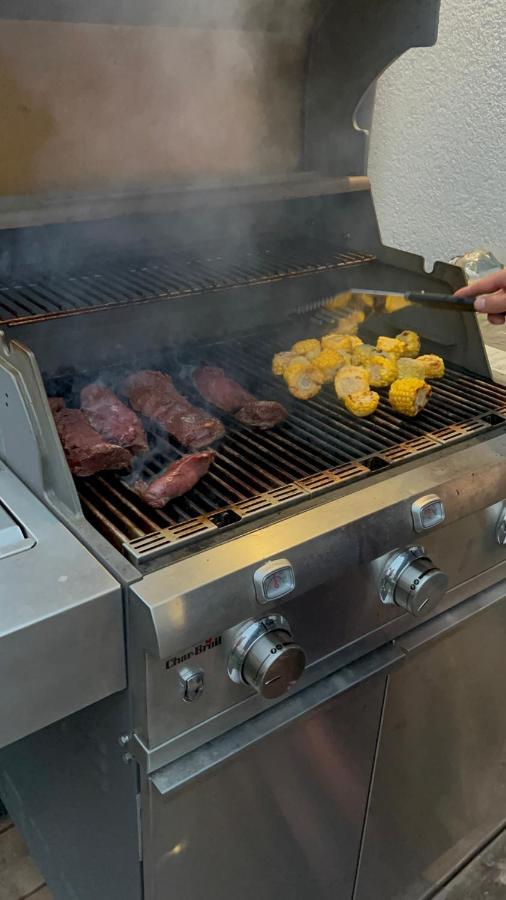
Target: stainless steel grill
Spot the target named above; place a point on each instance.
(172, 276)
(319, 448)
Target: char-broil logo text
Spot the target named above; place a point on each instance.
(196, 651)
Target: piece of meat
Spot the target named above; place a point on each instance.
(215, 387)
(112, 419)
(176, 480)
(263, 414)
(56, 404)
(86, 451)
(220, 390)
(154, 395)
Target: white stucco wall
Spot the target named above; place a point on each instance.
(438, 144)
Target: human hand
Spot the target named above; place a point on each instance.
(490, 296)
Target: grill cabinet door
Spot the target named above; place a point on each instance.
(439, 788)
(281, 817)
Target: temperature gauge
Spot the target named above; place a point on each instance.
(274, 580)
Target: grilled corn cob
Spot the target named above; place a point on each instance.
(409, 396)
(308, 348)
(393, 304)
(351, 380)
(303, 379)
(363, 404)
(281, 361)
(339, 301)
(410, 368)
(411, 343)
(390, 345)
(328, 362)
(349, 324)
(335, 341)
(381, 371)
(363, 353)
(433, 365)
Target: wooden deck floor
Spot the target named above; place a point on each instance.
(19, 877)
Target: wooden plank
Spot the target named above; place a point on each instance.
(5, 823)
(20, 879)
(12, 848)
(42, 894)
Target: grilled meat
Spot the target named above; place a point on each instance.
(176, 480)
(112, 419)
(263, 414)
(215, 387)
(56, 404)
(153, 395)
(86, 451)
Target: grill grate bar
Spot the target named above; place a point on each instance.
(179, 275)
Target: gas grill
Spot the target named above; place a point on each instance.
(287, 681)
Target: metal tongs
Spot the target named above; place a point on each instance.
(436, 301)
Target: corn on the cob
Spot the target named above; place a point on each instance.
(351, 380)
(281, 361)
(409, 396)
(411, 343)
(309, 348)
(339, 301)
(393, 304)
(303, 379)
(349, 324)
(335, 341)
(328, 362)
(433, 365)
(410, 368)
(390, 345)
(362, 404)
(381, 371)
(363, 353)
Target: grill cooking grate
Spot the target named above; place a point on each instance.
(319, 447)
(172, 276)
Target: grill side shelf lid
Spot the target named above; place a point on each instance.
(12, 537)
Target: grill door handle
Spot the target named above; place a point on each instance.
(207, 759)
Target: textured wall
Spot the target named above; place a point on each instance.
(438, 146)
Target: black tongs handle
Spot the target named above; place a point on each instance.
(447, 300)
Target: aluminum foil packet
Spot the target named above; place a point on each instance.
(477, 264)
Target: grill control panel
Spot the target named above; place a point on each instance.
(410, 580)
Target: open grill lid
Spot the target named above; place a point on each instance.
(238, 89)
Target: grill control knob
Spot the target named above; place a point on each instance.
(264, 656)
(410, 580)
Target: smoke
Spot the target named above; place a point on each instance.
(99, 106)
